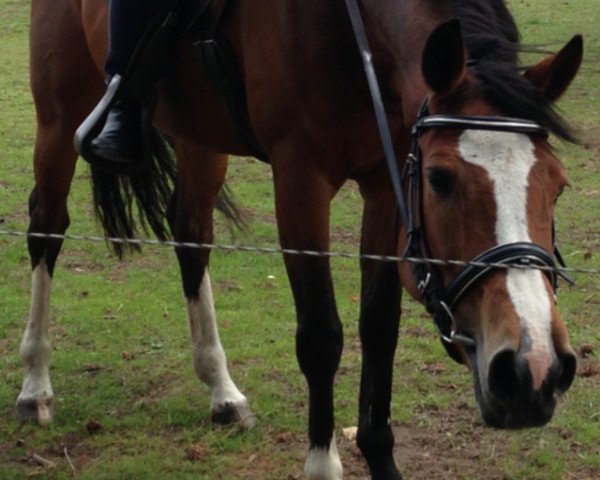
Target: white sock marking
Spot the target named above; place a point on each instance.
(35, 348)
(208, 356)
(323, 464)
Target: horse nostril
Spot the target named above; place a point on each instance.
(569, 367)
(503, 378)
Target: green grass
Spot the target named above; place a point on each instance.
(121, 352)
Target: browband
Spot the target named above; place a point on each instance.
(476, 122)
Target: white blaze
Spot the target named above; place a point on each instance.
(508, 159)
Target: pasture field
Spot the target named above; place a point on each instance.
(128, 405)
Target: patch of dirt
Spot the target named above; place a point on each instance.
(196, 452)
(453, 444)
(585, 350)
(65, 454)
(588, 369)
(587, 365)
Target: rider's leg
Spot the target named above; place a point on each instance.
(128, 21)
(121, 138)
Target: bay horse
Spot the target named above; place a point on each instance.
(482, 181)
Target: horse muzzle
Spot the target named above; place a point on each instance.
(508, 394)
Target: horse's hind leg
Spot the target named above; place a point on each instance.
(379, 321)
(199, 178)
(53, 81)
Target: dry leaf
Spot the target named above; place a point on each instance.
(350, 433)
(196, 452)
(93, 427)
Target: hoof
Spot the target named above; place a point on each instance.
(234, 414)
(39, 412)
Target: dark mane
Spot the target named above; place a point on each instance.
(492, 40)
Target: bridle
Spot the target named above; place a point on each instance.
(441, 300)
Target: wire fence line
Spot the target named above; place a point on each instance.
(287, 251)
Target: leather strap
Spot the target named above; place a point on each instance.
(382, 123)
(221, 67)
(519, 253)
(474, 122)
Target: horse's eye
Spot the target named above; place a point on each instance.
(442, 181)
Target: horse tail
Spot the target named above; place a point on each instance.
(114, 198)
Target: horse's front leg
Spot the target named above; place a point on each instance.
(302, 205)
(199, 178)
(379, 321)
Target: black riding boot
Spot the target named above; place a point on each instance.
(141, 35)
(120, 140)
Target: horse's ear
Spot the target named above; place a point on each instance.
(444, 59)
(554, 74)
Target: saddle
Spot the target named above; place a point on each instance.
(216, 58)
(221, 66)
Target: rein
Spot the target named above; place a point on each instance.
(440, 300)
(384, 129)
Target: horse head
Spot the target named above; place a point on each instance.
(484, 188)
